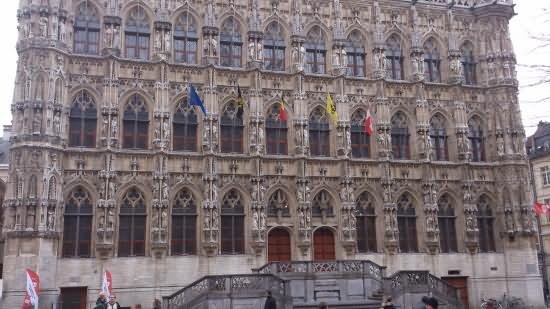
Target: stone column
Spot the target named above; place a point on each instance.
(303, 196)
(431, 212)
(211, 209)
(391, 230)
(258, 208)
(383, 126)
(348, 223)
(471, 236)
(106, 206)
(109, 111)
(463, 143)
(159, 211)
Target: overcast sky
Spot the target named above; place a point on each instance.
(528, 22)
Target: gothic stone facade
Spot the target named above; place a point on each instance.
(111, 169)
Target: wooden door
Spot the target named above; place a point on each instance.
(278, 246)
(323, 245)
(73, 298)
(461, 284)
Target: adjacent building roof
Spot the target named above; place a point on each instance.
(539, 143)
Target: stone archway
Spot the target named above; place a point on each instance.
(278, 245)
(323, 245)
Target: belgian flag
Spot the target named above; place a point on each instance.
(282, 109)
(240, 101)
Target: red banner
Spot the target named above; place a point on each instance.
(107, 284)
(541, 209)
(32, 290)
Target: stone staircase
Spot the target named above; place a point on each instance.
(304, 284)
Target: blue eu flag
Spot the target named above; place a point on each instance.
(195, 100)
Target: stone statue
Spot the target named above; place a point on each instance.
(256, 220)
(164, 191)
(252, 50)
(51, 219)
(344, 55)
(335, 58)
(500, 146)
(116, 37)
(110, 219)
(167, 41)
(112, 190)
(302, 219)
(109, 36)
(166, 130)
(158, 42)
(56, 123)
(105, 127)
(260, 52)
(114, 127)
(62, 31)
(37, 122)
(456, 67)
(164, 218)
(43, 25)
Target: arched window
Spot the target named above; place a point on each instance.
(185, 124)
(447, 228)
(274, 48)
(360, 140)
(355, 50)
(137, 34)
(319, 133)
(77, 224)
(394, 58)
(400, 136)
(231, 43)
(86, 30)
(468, 63)
(366, 223)
(278, 205)
(406, 220)
(485, 224)
(136, 124)
(276, 132)
(476, 138)
(438, 136)
(83, 121)
(431, 62)
(315, 51)
(321, 205)
(232, 224)
(32, 187)
(231, 128)
(132, 225)
(185, 39)
(184, 224)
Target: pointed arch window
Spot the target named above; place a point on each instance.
(77, 224)
(485, 223)
(232, 224)
(276, 132)
(406, 220)
(83, 121)
(184, 224)
(438, 136)
(400, 136)
(432, 62)
(356, 54)
(274, 48)
(185, 124)
(476, 139)
(136, 124)
(316, 51)
(132, 225)
(468, 63)
(86, 30)
(360, 140)
(232, 129)
(185, 39)
(278, 205)
(394, 58)
(231, 43)
(447, 227)
(137, 34)
(366, 223)
(319, 133)
(321, 205)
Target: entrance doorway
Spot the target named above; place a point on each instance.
(278, 246)
(323, 245)
(461, 284)
(73, 298)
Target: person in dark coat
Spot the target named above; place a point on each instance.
(387, 304)
(270, 302)
(112, 304)
(101, 302)
(323, 305)
(430, 302)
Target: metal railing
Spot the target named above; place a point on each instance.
(226, 286)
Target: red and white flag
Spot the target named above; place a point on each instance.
(107, 284)
(368, 123)
(541, 209)
(32, 290)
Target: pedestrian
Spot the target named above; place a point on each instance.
(101, 302)
(113, 304)
(387, 303)
(323, 305)
(270, 302)
(430, 302)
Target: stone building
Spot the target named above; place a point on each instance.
(112, 169)
(538, 149)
